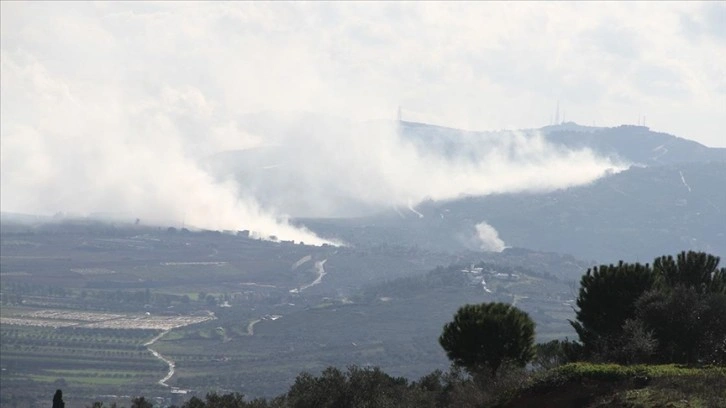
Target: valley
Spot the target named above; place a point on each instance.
(272, 309)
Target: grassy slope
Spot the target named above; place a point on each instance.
(612, 385)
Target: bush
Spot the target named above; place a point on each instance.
(555, 353)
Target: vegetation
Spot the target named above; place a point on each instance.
(482, 337)
(613, 385)
(571, 385)
(606, 300)
(672, 312)
(697, 270)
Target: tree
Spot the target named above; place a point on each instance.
(697, 270)
(194, 402)
(606, 300)
(235, 400)
(714, 344)
(689, 326)
(555, 353)
(486, 335)
(141, 402)
(358, 387)
(669, 313)
(58, 400)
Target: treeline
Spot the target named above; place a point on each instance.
(100, 299)
(368, 388)
(372, 388)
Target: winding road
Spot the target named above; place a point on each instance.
(251, 327)
(158, 355)
(320, 270)
(166, 361)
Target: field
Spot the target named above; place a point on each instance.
(55, 318)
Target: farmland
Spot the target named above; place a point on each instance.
(63, 318)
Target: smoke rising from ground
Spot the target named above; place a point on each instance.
(85, 155)
(489, 238)
(121, 108)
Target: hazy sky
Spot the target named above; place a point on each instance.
(479, 65)
(109, 105)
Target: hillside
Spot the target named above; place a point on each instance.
(634, 144)
(631, 144)
(636, 214)
(286, 174)
(666, 201)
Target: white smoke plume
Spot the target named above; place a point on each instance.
(489, 238)
(121, 107)
(326, 166)
(93, 150)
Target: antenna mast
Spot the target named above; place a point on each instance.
(557, 113)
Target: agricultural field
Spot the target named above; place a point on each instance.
(81, 360)
(82, 351)
(55, 318)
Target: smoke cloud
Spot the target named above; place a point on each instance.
(328, 167)
(126, 108)
(489, 238)
(98, 150)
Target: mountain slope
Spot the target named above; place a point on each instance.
(637, 214)
(308, 170)
(635, 144)
(632, 144)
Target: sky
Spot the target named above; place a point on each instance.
(110, 106)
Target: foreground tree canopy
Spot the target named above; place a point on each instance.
(671, 312)
(484, 336)
(607, 299)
